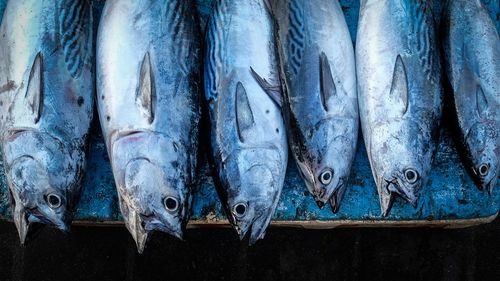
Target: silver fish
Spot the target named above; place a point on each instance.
(400, 94)
(320, 101)
(148, 101)
(46, 105)
(472, 56)
(247, 130)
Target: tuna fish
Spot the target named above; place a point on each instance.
(400, 94)
(46, 105)
(472, 55)
(247, 130)
(148, 100)
(320, 102)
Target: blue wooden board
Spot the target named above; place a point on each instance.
(449, 197)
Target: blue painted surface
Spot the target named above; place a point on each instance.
(450, 193)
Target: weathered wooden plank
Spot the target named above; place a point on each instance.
(449, 200)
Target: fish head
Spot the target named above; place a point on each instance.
(253, 191)
(484, 151)
(328, 161)
(43, 177)
(400, 159)
(150, 171)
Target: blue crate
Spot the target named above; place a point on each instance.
(450, 198)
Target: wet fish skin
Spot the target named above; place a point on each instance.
(248, 137)
(400, 95)
(472, 54)
(320, 102)
(46, 105)
(148, 100)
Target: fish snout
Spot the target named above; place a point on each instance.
(257, 229)
(337, 195)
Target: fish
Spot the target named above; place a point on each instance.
(400, 95)
(249, 150)
(46, 107)
(471, 49)
(148, 87)
(320, 101)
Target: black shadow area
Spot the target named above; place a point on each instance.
(108, 253)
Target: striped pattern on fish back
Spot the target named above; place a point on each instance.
(421, 35)
(296, 35)
(214, 52)
(75, 29)
(176, 16)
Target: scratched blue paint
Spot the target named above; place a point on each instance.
(450, 193)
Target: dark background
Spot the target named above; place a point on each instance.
(108, 253)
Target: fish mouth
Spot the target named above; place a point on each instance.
(29, 221)
(388, 190)
(142, 226)
(490, 185)
(337, 195)
(257, 229)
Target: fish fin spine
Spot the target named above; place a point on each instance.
(274, 92)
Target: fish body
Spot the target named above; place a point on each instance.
(320, 101)
(472, 54)
(400, 94)
(148, 101)
(46, 105)
(248, 135)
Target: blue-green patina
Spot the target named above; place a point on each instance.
(450, 193)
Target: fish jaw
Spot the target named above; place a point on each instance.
(491, 184)
(257, 190)
(337, 196)
(141, 226)
(387, 193)
(257, 229)
(25, 221)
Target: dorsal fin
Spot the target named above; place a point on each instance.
(327, 85)
(75, 28)
(274, 92)
(244, 114)
(34, 93)
(399, 88)
(146, 92)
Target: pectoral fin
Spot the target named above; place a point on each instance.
(34, 93)
(399, 88)
(244, 115)
(328, 89)
(146, 92)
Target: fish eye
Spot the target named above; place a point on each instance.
(483, 169)
(171, 204)
(53, 200)
(326, 177)
(240, 209)
(411, 175)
